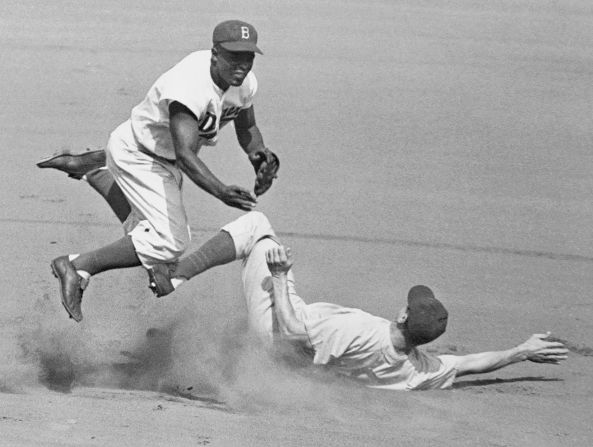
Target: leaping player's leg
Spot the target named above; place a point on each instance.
(75, 165)
(90, 165)
(157, 223)
(157, 230)
(217, 250)
(102, 181)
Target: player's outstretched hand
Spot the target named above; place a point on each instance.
(238, 197)
(279, 259)
(541, 350)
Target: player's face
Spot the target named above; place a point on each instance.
(232, 68)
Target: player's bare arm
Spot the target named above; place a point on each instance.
(185, 133)
(279, 260)
(248, 134)
(536, 349)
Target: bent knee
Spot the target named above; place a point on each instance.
(172, 246)
(179, 244)
(247, 230)
(259, 222)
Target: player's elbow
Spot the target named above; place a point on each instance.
(293, 332)
(295, 338)
(185, 157)
(190, 164)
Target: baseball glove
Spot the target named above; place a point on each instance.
(266, 164)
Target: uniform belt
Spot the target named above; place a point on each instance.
(155, 156)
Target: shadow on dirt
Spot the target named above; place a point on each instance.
(488, 382)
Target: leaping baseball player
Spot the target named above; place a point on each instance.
(372, 350)
(146, 156)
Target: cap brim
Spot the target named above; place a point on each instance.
(241, 47)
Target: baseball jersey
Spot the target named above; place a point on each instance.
(358, 344)
(189, 83)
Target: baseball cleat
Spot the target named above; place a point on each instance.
(75, 165)
(71, 286)
(159, 279)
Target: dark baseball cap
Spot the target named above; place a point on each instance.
(236, 36)
(427, 317)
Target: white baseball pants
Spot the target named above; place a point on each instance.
(158, 222)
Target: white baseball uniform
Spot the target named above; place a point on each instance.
(350, 341)
(141, 155)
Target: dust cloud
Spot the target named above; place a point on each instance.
(193, 355)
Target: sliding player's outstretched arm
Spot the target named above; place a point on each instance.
(535, 349)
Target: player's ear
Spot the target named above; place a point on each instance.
(214, 57)
(402, 316)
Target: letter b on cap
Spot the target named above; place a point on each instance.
(244, 32)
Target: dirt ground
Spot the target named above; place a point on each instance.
(439, 143)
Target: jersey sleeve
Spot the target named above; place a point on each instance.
(180, 84)
(440, 375)
(175, 92)
(425, 372)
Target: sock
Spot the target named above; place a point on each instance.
(176, 282)
(86, 276)
(120, 254)
(102, 181)
(218, 250)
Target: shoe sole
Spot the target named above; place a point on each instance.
(55, 273)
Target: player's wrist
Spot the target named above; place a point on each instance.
(219, 190)
(519, 353)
